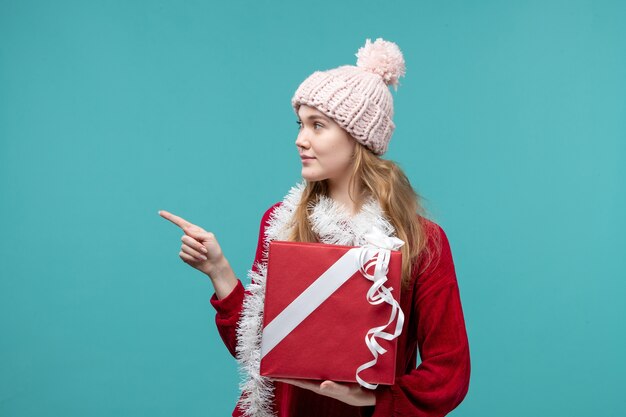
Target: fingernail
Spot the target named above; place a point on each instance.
(204, 257)
(205, 250)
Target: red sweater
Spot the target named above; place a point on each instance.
(434, 324)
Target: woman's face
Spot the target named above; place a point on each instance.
(329, 145)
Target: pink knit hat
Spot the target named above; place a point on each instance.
(358, 97)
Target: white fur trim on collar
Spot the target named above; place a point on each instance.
(332, 222)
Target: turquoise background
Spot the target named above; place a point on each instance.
(511, 123)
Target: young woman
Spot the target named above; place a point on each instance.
(345, 124)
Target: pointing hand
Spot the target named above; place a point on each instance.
(200, 248)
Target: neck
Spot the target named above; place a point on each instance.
(339, 191)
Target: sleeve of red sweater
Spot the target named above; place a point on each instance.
(441, 381)
(228, 309)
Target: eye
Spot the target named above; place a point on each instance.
(299, 123)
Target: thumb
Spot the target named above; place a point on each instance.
(197, 233)
(331, 386)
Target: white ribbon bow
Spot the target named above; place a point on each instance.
(378, 293)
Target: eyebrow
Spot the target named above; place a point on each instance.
(315, 116)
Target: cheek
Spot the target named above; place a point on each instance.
(334, 151)
(337, 159)
(335, 146)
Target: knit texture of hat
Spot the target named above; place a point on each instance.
(358, 97)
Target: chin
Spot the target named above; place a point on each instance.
(312, 177)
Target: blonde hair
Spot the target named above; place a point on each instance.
(386, 181)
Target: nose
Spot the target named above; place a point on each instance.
(302, 141)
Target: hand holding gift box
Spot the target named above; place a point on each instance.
(327, 306)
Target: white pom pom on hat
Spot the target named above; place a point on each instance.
(358, 97)
(383, 58)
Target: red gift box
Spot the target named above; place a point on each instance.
(317, 314)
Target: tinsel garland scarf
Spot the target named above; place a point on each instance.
(332, 222)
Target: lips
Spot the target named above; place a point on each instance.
(306, 157)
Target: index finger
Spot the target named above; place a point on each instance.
(178, 221)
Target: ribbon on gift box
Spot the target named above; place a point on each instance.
(378, 293)
(376, 252)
